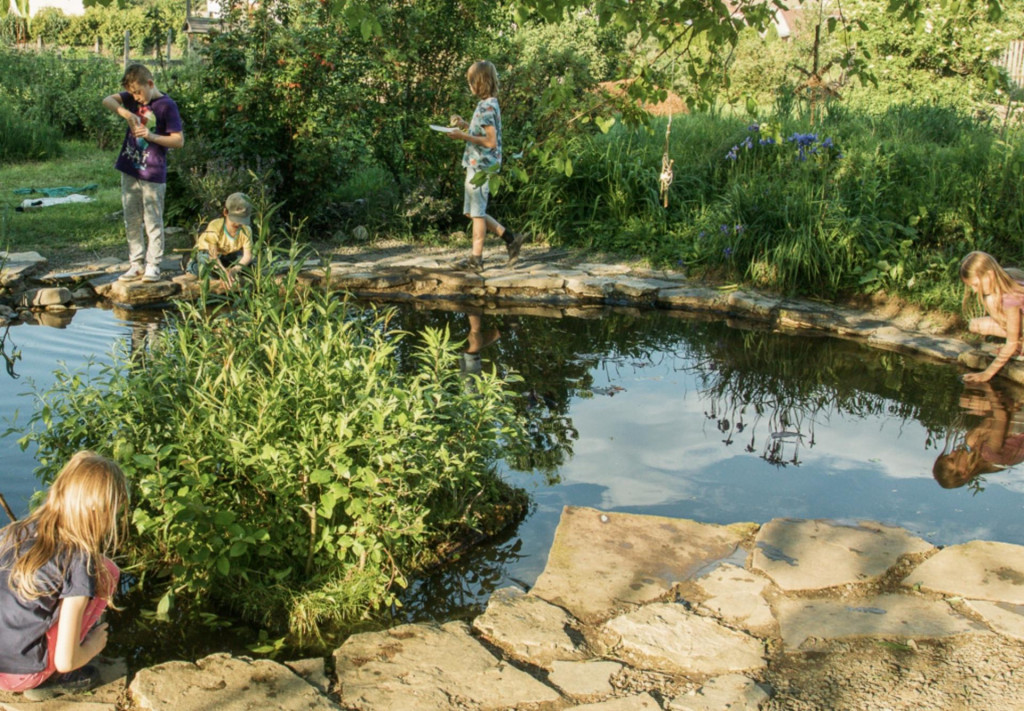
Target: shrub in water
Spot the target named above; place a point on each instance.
(289, 460)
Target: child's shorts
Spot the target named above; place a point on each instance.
(475, 202)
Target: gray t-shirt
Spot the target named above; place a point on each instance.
(23, 623)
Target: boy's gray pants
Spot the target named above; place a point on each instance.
(143, 204)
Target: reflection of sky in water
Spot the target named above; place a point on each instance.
(90, 333)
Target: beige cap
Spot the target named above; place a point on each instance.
(239, 208)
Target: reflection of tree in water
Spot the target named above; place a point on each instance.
(764, 390)
(790, 384)
(457, 590)
(8, 352)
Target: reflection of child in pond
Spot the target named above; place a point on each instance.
(997, 443)
(476, 340)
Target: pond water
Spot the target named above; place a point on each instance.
(656, 413)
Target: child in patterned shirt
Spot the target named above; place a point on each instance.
(482, 135)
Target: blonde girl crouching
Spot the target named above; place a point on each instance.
(56, 579)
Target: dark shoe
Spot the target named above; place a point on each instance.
(474, 263)
(88, 677)
(514, 246)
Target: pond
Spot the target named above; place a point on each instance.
(653, 413)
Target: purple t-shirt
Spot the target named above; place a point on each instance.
(138, 157)
(23, 623)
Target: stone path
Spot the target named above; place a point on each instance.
(713, 617)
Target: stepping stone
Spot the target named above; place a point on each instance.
(595, 287)
(15, 266)
(693, 298)
(736, 595)
(601, 561)
(734, 692)
(751, 303)
(225, 683)
(876, 616)
(430, 668)
(817, 554)
(46, 296)
(527, 628)
(978, 570)
(897, 339)
(538, 282)
(640, 702)
(1004, 618)
(667, 637)
(582, 680)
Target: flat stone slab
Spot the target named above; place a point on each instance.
(584, 679)
(736, 595)
(817, 554)
(978, 570)
(874, 616)
(753, 304)
(640, 702)
(134, 293)
(430, 668)
(734, 692)
(14, 266)
(899, 340)
(1004, 618)
(600, 561)
(693, 298)
(527, 628)
(225, 683)
(668, 638)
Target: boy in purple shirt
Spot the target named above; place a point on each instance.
(154, 125)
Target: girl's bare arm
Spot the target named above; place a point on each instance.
(69, 653)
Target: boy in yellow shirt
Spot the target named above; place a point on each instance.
(227, 241)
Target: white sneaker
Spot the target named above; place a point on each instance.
(133, 273)
(152, 273)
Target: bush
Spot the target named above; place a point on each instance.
(50, 23)
(24, 139)
(289, 459)
(61, 92)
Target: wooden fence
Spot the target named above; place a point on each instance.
(1013, 61)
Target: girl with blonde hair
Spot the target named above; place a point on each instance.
(56, 580)
(482, 135)
(1000, 293)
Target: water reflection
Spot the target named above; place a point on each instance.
(9, 352)
(994, 444)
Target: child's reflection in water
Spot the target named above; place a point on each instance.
(993, 445)
(476, 341)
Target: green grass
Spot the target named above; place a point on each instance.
(76, 232)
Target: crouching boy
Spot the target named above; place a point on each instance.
(226, 243)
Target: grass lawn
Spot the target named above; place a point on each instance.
(76, 232)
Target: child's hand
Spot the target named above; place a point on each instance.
(981, 377)
(96, 640)
(138, 130)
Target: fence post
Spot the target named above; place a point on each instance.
(127, 47)
(39, 43)
(96, 47)
(168, 45)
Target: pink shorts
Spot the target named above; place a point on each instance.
(95, 608)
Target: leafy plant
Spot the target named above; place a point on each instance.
(286, 463)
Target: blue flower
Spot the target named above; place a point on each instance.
(724, 229)
(747, 143)
(767, 141)
(738, 228)
(727, 252)
(827, 143)
(753, 127)
(733, 153)
(702, 234)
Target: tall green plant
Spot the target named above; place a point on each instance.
(286, 463)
